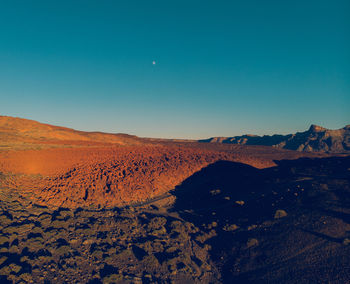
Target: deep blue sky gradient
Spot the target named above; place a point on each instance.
(223, 68)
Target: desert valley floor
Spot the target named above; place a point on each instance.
(80, 207)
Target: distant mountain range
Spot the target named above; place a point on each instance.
(24, 133)
(315, 139)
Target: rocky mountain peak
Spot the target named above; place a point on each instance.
(316, 128)
(315, 139)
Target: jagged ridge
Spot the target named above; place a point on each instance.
(315, 139)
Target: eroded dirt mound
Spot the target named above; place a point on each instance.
(119, 179)
(115, 175)
(104, 176)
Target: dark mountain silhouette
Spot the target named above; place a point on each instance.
(315, 139)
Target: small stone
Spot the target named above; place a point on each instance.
(280, 214)
(215, 192)
(252, 243)
(230, 228)
(3, 259)
(73, 241)
(324, 186)
(88, 242)
(3, 240)
(252, 227)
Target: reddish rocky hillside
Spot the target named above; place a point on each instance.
(24, 133)
(89, 172)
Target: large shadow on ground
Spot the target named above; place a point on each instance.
(217, 191)
(228, 196)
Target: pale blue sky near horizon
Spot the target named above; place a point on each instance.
(223, 68)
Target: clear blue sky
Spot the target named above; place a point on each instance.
(223, 68)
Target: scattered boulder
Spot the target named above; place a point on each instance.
(280, 214)
(252, 243)
(230, 228)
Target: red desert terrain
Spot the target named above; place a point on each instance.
(65, 167)
(90, 207)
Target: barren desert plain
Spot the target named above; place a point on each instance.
(92, 207)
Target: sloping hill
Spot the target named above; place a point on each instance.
(315, 139)
(19, 132)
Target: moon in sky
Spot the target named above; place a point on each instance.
(154, 62)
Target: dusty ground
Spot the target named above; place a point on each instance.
(133, 245)
(118, 175)
(65, 167)
(79, 207)
(228, 223)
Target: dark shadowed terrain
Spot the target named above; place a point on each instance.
(285, 224)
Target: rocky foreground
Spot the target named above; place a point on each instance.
(228, 223)
(91, 207)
